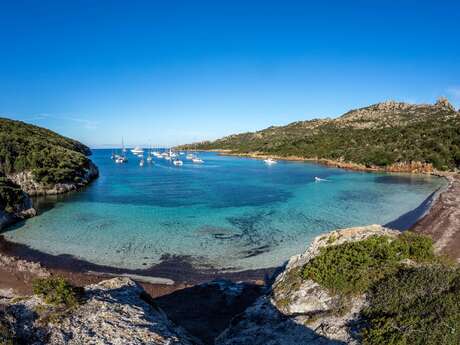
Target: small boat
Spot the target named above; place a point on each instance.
(270, 161)
(197, 160)
(319, 179)
(137, 150)
(178, 162)
(189, 156)
(167, 157)
(149, 158)
(181, 153)
(141, 162)
(121, 159)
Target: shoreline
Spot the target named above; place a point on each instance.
(412, 168)
(176, 272)
(442, 222)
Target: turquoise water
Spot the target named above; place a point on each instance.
(230, 212)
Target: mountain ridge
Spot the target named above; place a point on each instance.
(378, 135)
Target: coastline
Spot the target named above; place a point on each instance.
(412, 167)
(442, 222)
(175, 272)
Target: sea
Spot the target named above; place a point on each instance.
(228, 213)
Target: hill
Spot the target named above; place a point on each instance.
(35, 160)
(378, 136)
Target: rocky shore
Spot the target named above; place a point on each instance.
(30, 188)
(287, 310)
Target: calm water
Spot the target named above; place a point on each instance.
(229, 212)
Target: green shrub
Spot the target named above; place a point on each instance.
(414, 306)
(57, 291)
(352, 267)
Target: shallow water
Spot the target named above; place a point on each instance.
(233, 213)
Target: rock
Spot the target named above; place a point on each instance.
(115, 311)
(300, 311)
(30, 186)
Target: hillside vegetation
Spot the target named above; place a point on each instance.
(413, 297)
(50, 157)
(379, 135)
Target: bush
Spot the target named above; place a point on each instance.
(57, 291)
(352, 267)
(414, 306)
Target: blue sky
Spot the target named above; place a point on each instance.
(169, 72)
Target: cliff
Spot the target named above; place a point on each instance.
(393, 136)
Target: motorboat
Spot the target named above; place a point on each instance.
(137, 150)
(178, 162)
(197, 160)
(270, 161)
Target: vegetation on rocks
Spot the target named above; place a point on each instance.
(379, 135)
(413, 296)
(416, 306)
(51, 157)
(57, 291)
(353, 267)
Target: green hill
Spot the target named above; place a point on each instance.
(376, 136)
(46, 158)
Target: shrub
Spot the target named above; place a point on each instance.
(57, 291)
(352, 267)
(416, 306)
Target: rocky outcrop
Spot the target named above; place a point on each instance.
(31, 187)
(300, 311)
(391, 113)
(115, 311)
(22, 211)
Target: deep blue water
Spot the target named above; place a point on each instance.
(229, 212)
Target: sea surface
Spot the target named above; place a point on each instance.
(230, 213)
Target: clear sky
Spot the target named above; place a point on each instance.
(169, 72)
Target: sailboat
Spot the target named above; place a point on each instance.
(149, 155)
(119, 159)
(123, 149)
